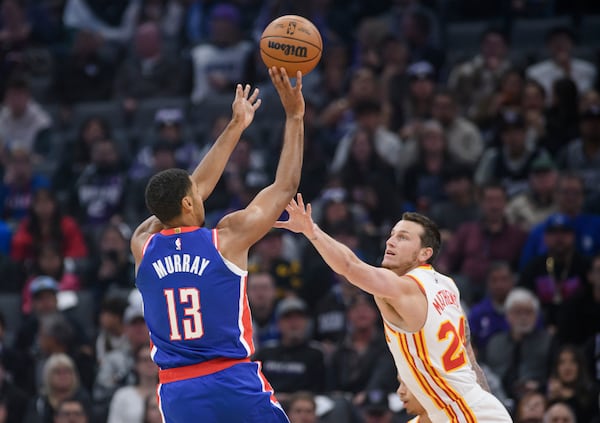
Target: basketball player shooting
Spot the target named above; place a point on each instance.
(425, 326)
(193, 279)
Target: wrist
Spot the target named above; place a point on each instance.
(295, 117)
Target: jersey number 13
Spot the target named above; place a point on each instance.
(192, 320)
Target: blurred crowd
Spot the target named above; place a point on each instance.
(484, 116)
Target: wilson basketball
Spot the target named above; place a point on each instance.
(291, 42)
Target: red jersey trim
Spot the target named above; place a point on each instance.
(179, 230)
(146, 244)
(177, 374)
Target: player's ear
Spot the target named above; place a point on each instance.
(186, 203)
(425, 254)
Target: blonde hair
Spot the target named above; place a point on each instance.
(54, 362)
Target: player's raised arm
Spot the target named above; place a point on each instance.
(377, 281)
(209, 170)
(248, 225)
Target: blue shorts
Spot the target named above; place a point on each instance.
(237, 394)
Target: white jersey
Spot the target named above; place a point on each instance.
(433, 362)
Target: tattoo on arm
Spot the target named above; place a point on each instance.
(481, 379)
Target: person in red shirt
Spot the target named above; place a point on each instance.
(45, 223)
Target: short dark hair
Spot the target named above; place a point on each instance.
(164, 193)
(493, 30)
(430, 238)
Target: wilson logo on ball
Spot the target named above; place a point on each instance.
(288, 49)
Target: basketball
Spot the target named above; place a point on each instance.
(291, 42)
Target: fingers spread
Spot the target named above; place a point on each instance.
(246, 90)
(254, 96)
(256, 105)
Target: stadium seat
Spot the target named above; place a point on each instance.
(530, 34)
(144, 116)
(111, 111)
(464, 36)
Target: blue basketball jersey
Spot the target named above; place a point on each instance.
(195, 302)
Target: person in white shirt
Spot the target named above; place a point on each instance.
(560, 42)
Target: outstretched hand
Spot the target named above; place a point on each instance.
(291, 96)
(244, 105)
(300, 219)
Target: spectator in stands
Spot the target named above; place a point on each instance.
(538, 201)
(294, 363)
(579, 317)
(13, 399)
(459, 206)
(57, 335)
(417, 29)
(474, 81)
(169, 124)
(507, 96)
(167, 14)
(23, 122)
(162, 158)
(50, 261)
(560, 42)
(301, 407)
(394, 80)
(531, 408)
(570, 198)
(117, 368)
(369, 120)
(111, 330)
(76, 155)
(316, 158)
(226, 59)
(562, 117)
(128, 402)
(152, 413)
(113, 20)
(570, 382)
(15, 39)
(72, 410)
(465, 143)
(478, 243)
(419, 101)
(369, 179)
(330, 314)
(509, 163)
(520, 356)
(101, 188)
(361, 362)
(262, 298)
(268, 256)
(376, 408)
(582, 155)
(533, 106)
(422, 182)
(487, 317)
(60, 382)
(43, 224)
(559, 412)
(20, 183)
(559, 274)
(149, 72)
(112, 266)
(85, 74)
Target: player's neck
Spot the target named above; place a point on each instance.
(181, 222)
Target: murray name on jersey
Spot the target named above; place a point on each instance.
(178, 263)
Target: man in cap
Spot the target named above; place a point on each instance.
(511, 162)
(294, 363)
(537, 201)
(559, 274)
(117, 367)
(376, 407)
